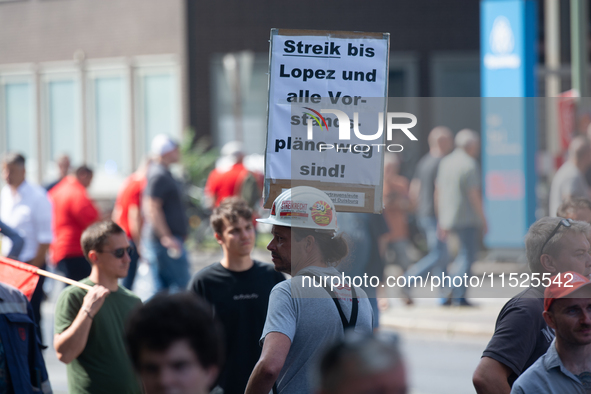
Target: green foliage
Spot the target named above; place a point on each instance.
(197, 158)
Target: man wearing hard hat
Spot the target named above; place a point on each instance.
(308, 312)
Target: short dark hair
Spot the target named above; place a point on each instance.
(95, 236)
(367, 354)
(14, 158)
(567, 207)
(333, 247)
(83, 169)
(231, 209)
(166, 319)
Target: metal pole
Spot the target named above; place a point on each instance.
(579, 50)
(552, 50)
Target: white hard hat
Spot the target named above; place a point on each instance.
(303, 207)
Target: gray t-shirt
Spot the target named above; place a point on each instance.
(426, 173)
(548, 375)
(568, 182)
(309, 318)
(458, 174)
(162, 185)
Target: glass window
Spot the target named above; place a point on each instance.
(160, 106)
(19, 118)
(110, 125)
(62, 120)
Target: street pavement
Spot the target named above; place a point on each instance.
(431, 333)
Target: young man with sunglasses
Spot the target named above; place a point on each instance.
(89, 326)
(552, 246)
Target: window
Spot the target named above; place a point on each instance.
(17, 111)
(158, 105)
(254, 95)
(109, 128)
(61, 114)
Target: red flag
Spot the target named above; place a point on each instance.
(20, 275)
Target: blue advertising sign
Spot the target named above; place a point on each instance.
(509, 143)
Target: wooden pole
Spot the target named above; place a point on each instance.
(62, 279)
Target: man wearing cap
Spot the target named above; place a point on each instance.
(166, 219)
(552, 246)
(566, 366)
(302, 319)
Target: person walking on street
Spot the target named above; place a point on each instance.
(459, 206)
(166, 221)
(422, 194)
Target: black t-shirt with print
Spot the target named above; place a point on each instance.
(240, 301)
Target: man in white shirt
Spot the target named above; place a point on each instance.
(26, 208)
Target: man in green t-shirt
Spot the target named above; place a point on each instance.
(89, 326)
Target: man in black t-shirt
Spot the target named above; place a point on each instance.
(166, 222)
(552, 246)
(238, 288)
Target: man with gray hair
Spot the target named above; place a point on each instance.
(459, 205)
(552, 246)
(422, 193)
(569, 181)
(363, 364)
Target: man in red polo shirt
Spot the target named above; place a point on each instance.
(127, 214)
(73, 211)
(229, 177)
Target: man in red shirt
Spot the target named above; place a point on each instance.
(227, 178)
(73, 211)
(127, 214)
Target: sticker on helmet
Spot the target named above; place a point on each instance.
(293, 209)
(321, 213)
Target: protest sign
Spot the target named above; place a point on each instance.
(327, 118)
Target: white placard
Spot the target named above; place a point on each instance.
(310, 75)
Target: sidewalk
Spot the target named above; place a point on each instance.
(428, 315)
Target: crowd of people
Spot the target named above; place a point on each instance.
(243, 326)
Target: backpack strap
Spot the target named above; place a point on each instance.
(354, 306)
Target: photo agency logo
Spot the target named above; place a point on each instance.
(394, 121)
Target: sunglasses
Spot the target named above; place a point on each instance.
(119, 253)
(563, 222)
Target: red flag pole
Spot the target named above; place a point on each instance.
(39, 271)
